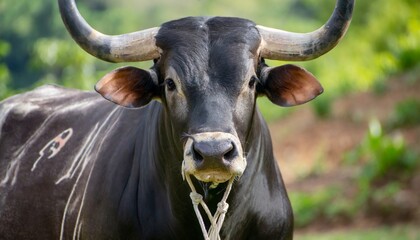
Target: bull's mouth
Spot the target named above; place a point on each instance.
(214, 177)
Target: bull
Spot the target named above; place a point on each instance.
(75, 166)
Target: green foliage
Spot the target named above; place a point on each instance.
(406, 113)
(21, 24)
(67, 65)
(4, 70)
(383, 155)
(402, 232)
(384, 164)
(405, 48)
(308, 207)
(382, 32)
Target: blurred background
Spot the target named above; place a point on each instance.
(350, 158)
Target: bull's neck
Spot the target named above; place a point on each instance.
(169, 191)
(258, 152)
(166, 148)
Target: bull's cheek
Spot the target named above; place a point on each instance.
(178, 111)
(243, 112)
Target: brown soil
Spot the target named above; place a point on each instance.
(310, 150)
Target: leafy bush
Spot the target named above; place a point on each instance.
(4, 70)
(387, 165)
(309, 206)
(400, 232)
(406, 113)
(384, 167)
(328, 204)
(408, 51)
(382, 155)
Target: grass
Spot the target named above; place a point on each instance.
(400, 232)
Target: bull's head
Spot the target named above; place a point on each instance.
(208, 73)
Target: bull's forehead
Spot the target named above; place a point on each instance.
(203, 49)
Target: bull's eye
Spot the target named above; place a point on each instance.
(252, 81)
(170, 84)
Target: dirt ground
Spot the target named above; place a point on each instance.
(302, 140)
(304, 143)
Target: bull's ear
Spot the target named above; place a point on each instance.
(289, 85)
(128, 86)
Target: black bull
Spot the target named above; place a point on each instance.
(73, 165)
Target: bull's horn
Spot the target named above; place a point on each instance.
(283, 45)
(131, 47)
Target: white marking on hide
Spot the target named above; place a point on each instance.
(21, 152)
(15, 172)
(66, 208)
(88, 144)
(14, 164)
(77, 225)
(79, 229)
(54, 146)
(12, 169)
(79, 164)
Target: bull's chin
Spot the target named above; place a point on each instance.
(215, 177)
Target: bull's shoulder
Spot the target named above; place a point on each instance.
(45, 96)
(23, 115)
(42, 101)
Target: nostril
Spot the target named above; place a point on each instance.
(197, 155)
(214, 150)
(231, 153)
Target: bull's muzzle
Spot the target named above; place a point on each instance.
(213, 157)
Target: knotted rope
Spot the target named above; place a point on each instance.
(218, 218)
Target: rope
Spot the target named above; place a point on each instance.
(218, 218)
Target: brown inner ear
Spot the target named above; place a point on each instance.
(290, 85)
(127, 86)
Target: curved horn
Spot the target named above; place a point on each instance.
(283, 45)
(131, 47)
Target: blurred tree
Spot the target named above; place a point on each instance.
(4, 70)
(21, 24)
(35, 47)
